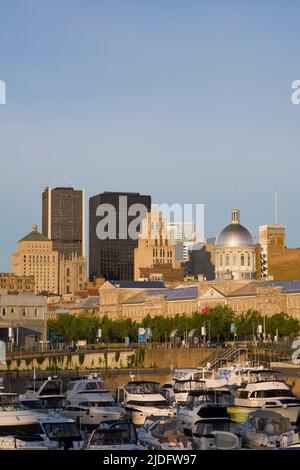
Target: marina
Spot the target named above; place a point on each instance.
(232, 407)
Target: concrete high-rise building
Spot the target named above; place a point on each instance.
(111, 254)
(184, 236)
(271, 238)
(63, 220)
(36, 257)
(154, 257)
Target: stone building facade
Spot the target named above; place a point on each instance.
(268, 297)
(24, 311)
(277, 261)
(155, 256)
(72, 274)
(16, 284)
(35, 257)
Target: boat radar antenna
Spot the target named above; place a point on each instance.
(276, 207)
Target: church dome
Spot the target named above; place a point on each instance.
(235, 234)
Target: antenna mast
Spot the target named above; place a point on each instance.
(276, 207)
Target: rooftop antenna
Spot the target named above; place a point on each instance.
(276, 207)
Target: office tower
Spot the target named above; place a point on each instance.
(111, 255)
(63, 220)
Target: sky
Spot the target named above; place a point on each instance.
(189, 102)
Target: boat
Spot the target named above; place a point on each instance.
(199, 399)
(89, 402)
(20, 428)
(164, 433)
(268, 429)
(48, 391)
(267, 389)
(215, 430)
(64, 432)
(114, 435)
(142, 399)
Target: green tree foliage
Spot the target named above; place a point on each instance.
(217, 322)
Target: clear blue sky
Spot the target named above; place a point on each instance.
(189, 101)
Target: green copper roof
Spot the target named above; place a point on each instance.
(34, 236)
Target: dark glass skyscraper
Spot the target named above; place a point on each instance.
(63, 220)
(113, 257)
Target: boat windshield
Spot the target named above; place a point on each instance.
(208, 426)
(115, 434)
(186, 385)
(143, 388)
(264, 376)
(95, 386)
(194, 401)
(97, 404)
(33, 405)
(155, 404)
(24, 432)
(58, 430)
(52, 387)
(10, 403)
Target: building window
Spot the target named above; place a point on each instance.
(227, 259)
(242, 259)
(249, 259)
(4, 312)
(221, 260)
(24, 312)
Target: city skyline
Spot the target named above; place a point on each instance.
(189, 103)
(255, 232)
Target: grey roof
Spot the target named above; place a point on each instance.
(288, 286)
(184, 293)
(138, 284)
(251, 288)
(88, 303)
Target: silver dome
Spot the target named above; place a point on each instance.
(234, 235)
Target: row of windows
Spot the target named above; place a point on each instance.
(6, 310)
(162, 253)
(39, 258)
(235, 259)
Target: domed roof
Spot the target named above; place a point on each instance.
(234, 234)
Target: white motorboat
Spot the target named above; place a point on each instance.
(114, 435)
(166, 433)
(202, 399)
(215, 430)
(267, 429)
(63, 431)
(266, 389)
(19, 428)
(142, 399)
(89, 402)
(48, 391)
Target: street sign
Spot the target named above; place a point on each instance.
(148, 333)
(142, 335)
